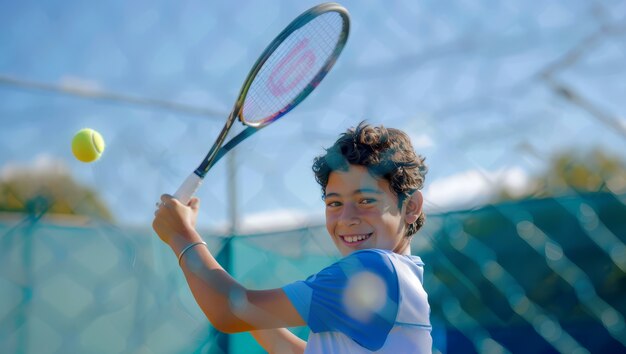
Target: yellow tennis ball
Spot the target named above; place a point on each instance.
(87, 145)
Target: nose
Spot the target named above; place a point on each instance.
(349, 214)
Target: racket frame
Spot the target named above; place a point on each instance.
(217, 151)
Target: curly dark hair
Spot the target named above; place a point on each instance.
(386, 152)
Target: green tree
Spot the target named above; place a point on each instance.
(575, 172)
(54, 191)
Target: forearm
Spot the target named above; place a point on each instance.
(279, 341)
(212, 287)
(228, 305)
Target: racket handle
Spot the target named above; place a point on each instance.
(188, 188)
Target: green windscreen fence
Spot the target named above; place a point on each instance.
(545, 275)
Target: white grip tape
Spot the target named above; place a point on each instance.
(188, 188)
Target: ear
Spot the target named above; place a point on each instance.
(413, 207)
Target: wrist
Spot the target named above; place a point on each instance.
(180, 241)
(188, 248)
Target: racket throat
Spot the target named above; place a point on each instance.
(210, 158)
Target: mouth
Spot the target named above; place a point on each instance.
(355, 239)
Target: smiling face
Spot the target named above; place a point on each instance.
(362, 212)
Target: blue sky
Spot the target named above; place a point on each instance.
(461, 77)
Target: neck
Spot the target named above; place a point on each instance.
(404, 248)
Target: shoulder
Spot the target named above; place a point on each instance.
(373, 257)
(374, 261)
(382, 260)
(356, 296)
(388, 259)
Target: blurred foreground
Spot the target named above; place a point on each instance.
(541, 275)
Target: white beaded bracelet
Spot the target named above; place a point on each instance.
(180, 256)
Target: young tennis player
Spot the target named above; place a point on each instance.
(371, 300)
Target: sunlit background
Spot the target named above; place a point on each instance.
(518, 107)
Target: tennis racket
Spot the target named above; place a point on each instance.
(287, 71)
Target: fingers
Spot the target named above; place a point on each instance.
(194, 203)
(168, 201)
(166, 198)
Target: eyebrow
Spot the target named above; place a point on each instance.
(358, 191)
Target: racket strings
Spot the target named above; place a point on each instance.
(293, 68)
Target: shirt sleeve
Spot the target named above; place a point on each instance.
(357, 296)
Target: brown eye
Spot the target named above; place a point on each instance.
(367, 201)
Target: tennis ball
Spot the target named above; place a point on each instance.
(87, 145)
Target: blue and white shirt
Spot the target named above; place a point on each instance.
(370, 301)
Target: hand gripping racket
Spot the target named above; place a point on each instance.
(289, 69)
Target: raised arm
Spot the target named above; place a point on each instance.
(228, 305)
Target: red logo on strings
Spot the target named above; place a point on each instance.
(291, 69)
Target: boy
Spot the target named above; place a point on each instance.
(370, 300)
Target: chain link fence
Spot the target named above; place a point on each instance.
(536, 276)
(490, 93)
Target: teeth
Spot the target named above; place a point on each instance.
(355, 238)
